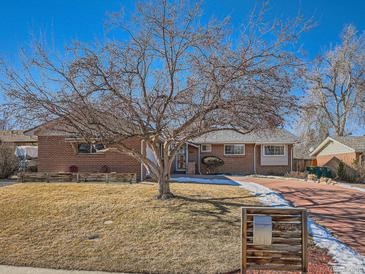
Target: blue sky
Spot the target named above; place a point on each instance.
(83, 19)
(64, 20)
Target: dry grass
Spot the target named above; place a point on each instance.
(48, 225)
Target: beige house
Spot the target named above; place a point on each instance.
(17, 138)
(349, 149)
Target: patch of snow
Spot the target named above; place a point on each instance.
(351, 187)
(346, 259)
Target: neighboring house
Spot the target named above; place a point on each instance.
(333, 150)
(17, 138)
(268, 152)
(24, 146)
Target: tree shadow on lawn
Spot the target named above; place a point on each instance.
(221, 207)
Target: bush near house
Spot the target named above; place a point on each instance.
(9, 163)
(212, 163)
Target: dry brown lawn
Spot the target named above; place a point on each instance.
(50, 225)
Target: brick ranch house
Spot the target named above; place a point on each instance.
(333, 150)
(268, 152)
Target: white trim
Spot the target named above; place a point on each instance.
(206, 151)
(275, 155)
(244, 149)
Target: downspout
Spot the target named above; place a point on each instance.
(254, 159)
(291, 158)
(199, 160)
(142, 177)
(187, 157)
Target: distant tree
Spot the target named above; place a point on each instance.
(336, 85)
(170, 78)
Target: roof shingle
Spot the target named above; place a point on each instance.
(263, 136)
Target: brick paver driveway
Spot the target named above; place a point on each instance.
(340, 209)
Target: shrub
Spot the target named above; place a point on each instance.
(105, 169)
(9, 163)
(341, 171)
(73, 169)
(212, 162)
(360, 170)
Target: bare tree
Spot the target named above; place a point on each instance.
(169, 79)
(336, 84)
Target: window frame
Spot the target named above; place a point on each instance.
(205, 151)
(92, 149)
(273, 155)
(234, 154)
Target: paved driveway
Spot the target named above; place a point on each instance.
(340, 209)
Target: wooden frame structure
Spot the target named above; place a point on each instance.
(288, 249)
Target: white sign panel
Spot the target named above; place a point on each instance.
(262, 230)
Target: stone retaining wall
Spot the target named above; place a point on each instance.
(50, 177)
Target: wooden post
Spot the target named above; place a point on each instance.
(244, 241)
(304, 242)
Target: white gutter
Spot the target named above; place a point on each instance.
(254, 159)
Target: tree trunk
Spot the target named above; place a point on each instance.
(164, 188)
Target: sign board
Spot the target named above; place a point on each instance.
(274, 239)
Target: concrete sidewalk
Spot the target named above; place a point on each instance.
(5, 269)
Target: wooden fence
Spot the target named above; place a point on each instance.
(49, 177)
(286, 249)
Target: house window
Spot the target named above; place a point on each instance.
(89, 148)
(206, 148)
(273, 150)
(234, 149)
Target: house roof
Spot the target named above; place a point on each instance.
(281, 136)
(16, 136)
(356, 143)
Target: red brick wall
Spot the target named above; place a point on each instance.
(347, 158)
(333, 160)
(57, 155)
(235, 164)
(243, 164)
(272, 170)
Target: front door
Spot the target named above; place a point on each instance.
(181, 159)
